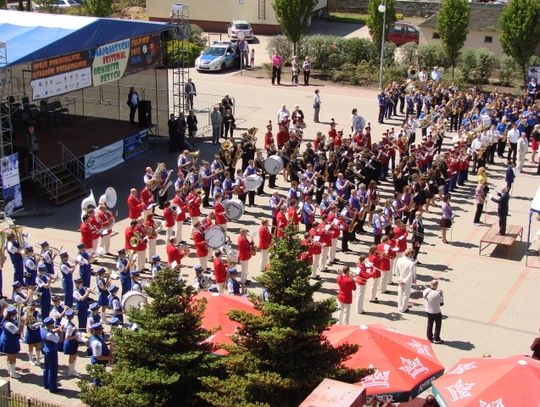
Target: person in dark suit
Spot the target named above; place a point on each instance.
(509, 175)
(502, 209)
(133, 103)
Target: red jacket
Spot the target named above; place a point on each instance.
(177, 201)
(200, 243)
(244, 249)
(268, 139)
(96, 227)
(307, 254)
(281, 224)
(86, 235)
(135, 207)
(219, 211)
(363, 276)
(335, 229)
(150, 229)
(293, 216)
(346, 287)
(375, 271)
(106, 219)
(220, 271)
(265, 238)
(128, 234)
(169, 217)
(147, 197)
(316, 246)
(383, 248)
(400, 236)
(326, 236)
(194, 204)
(173, 254)
(141, 231)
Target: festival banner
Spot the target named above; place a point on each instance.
(110, 62)
(136, 144)
(144, 53)
(11, 183)
(103, 159)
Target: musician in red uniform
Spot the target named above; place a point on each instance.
(268, 137)
(265, 240)
(95, 226)
(361, 280)
(220, 272)
(208, 221)
(293, 215)
(140, 233)
(147, 197)
(129, 232)
(135, 205)
(180, 208)
(281, 221)
(307, 254)
(282, 136)
(324, 231)
(335, 229)
(106, 219)
(316, 250)
(400, 236)
(194, 202)
(151, 233)
(374, 266)
(174, 253)
(86, 231)
(200, 244)
(244, 254)
(219, 211)
(169, 219)
(383, 248)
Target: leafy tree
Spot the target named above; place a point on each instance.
(279, 357)
(521, 31)
(99, 8)
(160, 363)
(485, 64)
(47, 6)
(453, 27)
(293, 17)
(409, 53)
(507, 72)
(375, 20)
(430, 55)
(468, 64)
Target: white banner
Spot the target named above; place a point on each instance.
(104, 159)
(110, 62)
(11, 184)
(62, 83)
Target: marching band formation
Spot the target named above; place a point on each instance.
(333, 190)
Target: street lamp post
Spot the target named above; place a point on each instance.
(382, 9)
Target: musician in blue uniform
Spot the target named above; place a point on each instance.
(93, 316)
(67, 270)
(51, 339)
(85, 267)
(81, 294)
(101, 355)
(114, 303)
(71, 342)
(10, 339)
(30, 268)
(103, 299)
(47, 257)
(32, 336)
(43, 282)
(155, 267)
(122, 265)
(135, 282)
(58, 310)
(15, 255)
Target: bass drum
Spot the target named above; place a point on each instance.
(273, 164)
(133, 299)
(252, 182)
(484, 121)
(215, 237)
(234, 209)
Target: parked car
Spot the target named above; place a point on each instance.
(402, 33)
(217, 57)
(240, 26)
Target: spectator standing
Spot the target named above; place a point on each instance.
(446, 217)
(192, 123)
(133, 103)
(522, 149)
(216, 118)
(405, 270)
(433, 300)
(31, 146)
(306, 67)
(252, 58)
(243, 47)
(316, 106)
(190, 91)
(480, 195)
(513, 137)
(346, 287)
(295, 70)
(277, 61)
(173, 133)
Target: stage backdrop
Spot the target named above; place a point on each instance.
(11, 183)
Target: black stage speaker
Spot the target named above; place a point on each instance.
(145, 113)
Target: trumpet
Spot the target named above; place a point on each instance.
(195, 154)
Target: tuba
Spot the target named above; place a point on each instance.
(86, 202)
(109, 198)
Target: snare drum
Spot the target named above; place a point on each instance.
(234, 209)
(133, 299)
(215, 237)
(252, 182)
(273, 164)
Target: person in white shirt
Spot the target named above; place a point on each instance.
(522, 149)
(513, 137)
(405, 270)
(283, 114)
(316, 106)
(423, 75)
(434, 299)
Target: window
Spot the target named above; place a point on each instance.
(436, 36)
(488, 39)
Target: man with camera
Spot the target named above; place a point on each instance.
(434, 301)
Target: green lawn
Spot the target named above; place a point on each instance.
(352, 18)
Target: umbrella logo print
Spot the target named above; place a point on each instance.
(460, 390)
(463, 367)
(496, 403)
(413, 367)
(377, 379)
(420, 348)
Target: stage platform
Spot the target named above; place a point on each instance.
(81, 134)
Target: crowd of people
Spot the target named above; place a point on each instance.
(340, 185)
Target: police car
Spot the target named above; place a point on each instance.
(217, 57)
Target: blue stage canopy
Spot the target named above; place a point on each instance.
(35, 36)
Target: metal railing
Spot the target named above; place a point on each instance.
(19, 400)
(45, 177)
(73, 164)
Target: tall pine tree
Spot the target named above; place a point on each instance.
(279, 357)
(159, 364)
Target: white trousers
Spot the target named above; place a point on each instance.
(404, 291)
(151, 248)
(178, 234)
(333, 250)
(374, 287)
(384, 280)
(193, 219)
(170, 231)
(203, 261)
(344, 313)
(244, 264)
(141, 258)
(264, 259)
(105, 243)
(221, 287)
(391, 272)
(324, 258)
(95, 245)
(315, 265)
(360, 294)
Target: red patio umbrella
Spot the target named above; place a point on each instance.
(490, 382)
(406, 365)
(215, 315)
